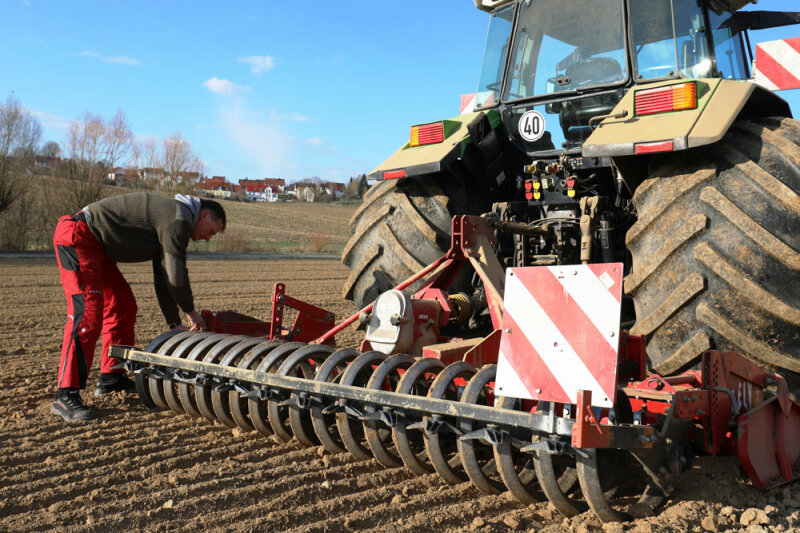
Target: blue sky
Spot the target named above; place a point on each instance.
(260, 89)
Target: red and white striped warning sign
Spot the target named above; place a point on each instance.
(475, 101)
(777, 64)
(561, 333)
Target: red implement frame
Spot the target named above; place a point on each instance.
(769, 442)
(731, 400)
(310, 322)
(472, 241)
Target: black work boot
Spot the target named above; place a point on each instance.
(69, 406)
(114, 382)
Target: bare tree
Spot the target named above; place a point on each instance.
(147, 160)
(50, 149)
(119, 140)
(153, 171)
(84, 167)
(94, 147)
(20, 132)
(144, 158)
(182, 165)
(137, 154)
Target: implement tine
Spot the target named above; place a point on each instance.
(341, 406)
(491, 436)
(231, 386)
(434, 424)
(387, 416)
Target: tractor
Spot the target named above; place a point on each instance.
(633, 135)
(568, 291)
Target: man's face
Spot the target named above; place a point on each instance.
(206, 226)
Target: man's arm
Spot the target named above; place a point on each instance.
(168, 306)
(174, 242)
(165, 300)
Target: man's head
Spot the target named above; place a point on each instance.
(211, 220)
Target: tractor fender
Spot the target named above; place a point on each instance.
(719, 103)
(411, 161)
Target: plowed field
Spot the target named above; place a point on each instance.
(136, 469)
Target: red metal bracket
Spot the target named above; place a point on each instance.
(632, 358)
(311, 321)
(691, 404)
(486, 352)
(587, 432)
(473, 240)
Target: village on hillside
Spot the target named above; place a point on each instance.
(270, 189)
(251, 190)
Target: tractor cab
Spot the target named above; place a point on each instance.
(553, 66)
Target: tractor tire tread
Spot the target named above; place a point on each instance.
(716, 250)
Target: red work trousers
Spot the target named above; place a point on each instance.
(99, 300)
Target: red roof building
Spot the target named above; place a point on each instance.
(262, 185)
(333, 186)
(216, 183)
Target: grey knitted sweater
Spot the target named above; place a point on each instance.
(144, 226)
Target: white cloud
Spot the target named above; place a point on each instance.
(123, 60)
(50, 120)
(290, 117)
(224, 87)
(265, 144)
(258, 64)
(333, 60)
(262, 143)
(116, 60)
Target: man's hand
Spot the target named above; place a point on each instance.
(196, 321)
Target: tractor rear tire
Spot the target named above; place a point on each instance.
(401, 227)
(716, 250)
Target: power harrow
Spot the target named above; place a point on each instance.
(554, 401)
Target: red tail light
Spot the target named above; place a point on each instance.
(427, 134)
(655, 147)
(394, 174)
(664, 99)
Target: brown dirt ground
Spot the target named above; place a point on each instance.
(135, 469)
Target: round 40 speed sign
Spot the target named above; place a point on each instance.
(531, 125)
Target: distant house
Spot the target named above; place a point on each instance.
(308, 190)
(335, 189)
(276, 184)
(216, 186)
(268, 195)
(188, 177)
(124, 177)
(264, 190)
(216, 183)
(152, 175)
(46, 162)
(303, 190)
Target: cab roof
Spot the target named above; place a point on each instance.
(717, 5)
